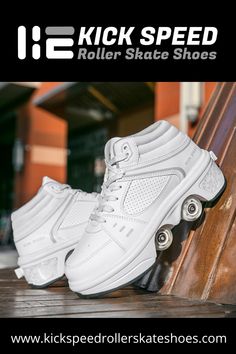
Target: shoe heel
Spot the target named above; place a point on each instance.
(45, 272)
(211, 184)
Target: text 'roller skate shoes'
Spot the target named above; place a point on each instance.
(153, 180)
(47, 229)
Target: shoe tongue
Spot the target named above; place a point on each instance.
(47, 179)
(118, 146)
(109, 151)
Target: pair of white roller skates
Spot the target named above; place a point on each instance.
(102, 242)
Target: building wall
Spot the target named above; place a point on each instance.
(132, 122)
(167, 102)
(166, 99)
(45, 138)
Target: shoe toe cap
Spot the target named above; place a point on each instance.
(91, 261)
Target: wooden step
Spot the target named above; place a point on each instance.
(17, 299)
(201, 263)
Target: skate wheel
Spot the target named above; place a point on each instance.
(192, 209)
(163, 239)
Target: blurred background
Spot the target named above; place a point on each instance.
(59, 129)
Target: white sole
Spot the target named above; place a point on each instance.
(204, 181)
(46, 267)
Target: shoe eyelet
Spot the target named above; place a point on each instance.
(126, 151)
(55, 189)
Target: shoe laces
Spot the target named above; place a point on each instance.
(112, 175)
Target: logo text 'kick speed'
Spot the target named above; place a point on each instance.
(71, 40)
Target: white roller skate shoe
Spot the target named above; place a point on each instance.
(153, 180)
(47, 229)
